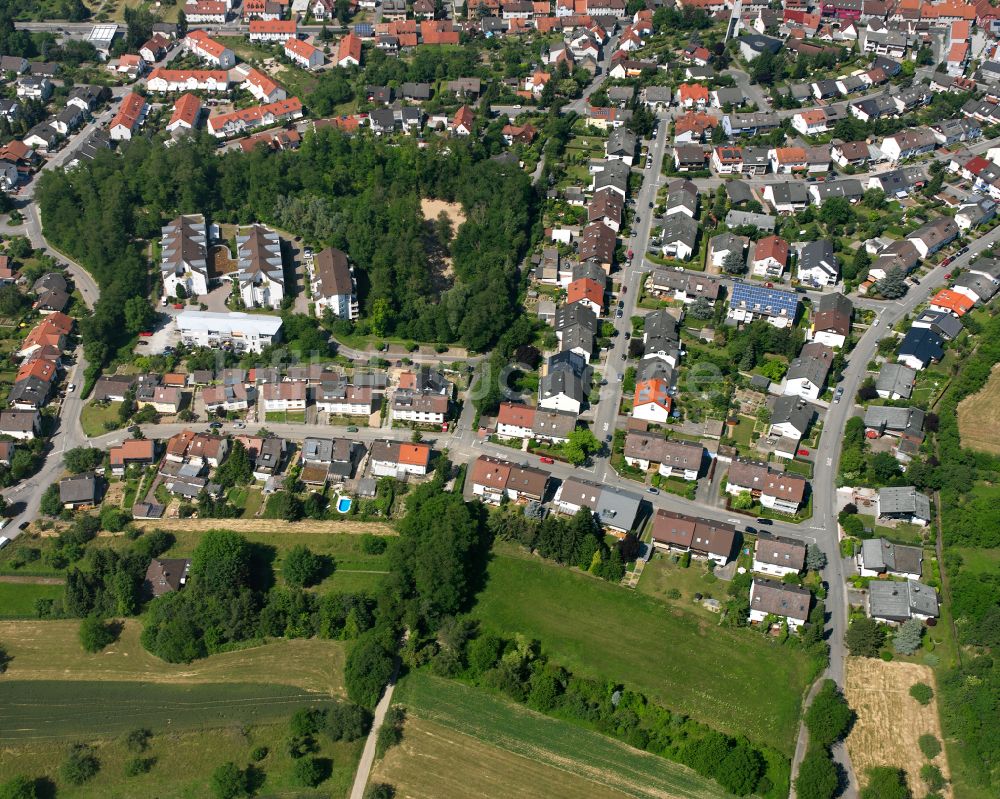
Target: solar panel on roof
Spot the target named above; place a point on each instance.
(760, 297)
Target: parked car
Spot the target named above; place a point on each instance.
(71, 388)
(215, 425)
(963, 251)
(624, 356)
(621, 304)
(947, 276)
(838, 394)
(352, 429)
(765, 521)
(627, 335)
(802, 452)
(948, 260)
(240, 425)
(546, 459)
(652, 490)
(750, 530)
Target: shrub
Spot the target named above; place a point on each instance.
(829, 717)
(137, 741)
(932, 777)
(20, 788)
(310, 771)
(229, 781)
(258, 753)
(380, 790)
(373, 544)
(885, 782)
(929, 745)
(139, 765)
(865, 638)
(95, 634)
(80, 765)
(922, 692)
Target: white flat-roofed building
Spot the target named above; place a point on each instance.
(241, 331)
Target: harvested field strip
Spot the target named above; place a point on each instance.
(69, 710)
(509, 741)
(979, 416)
(50, 650)
(890, 721)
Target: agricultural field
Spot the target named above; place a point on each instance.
(731, 679)
(979, 417)
(50, 651)
(889, 720)
(463, 742)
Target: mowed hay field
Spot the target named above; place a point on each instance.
(979, 417)
(50, 650)
(462, 742)
(890, 721)
(731, 679)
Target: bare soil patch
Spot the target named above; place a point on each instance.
(276, 526)
(890, 721)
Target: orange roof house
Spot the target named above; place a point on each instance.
(689, 94)
(952, 302)
(414, 454)
(587, 291)
(349, 51)
(186, 112)
(463, 121)
(696, 123)
(651, 400)
(438, 31)
(515, 414)
(39, 369)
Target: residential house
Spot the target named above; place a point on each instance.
(770, 257)
(613, 508)
(399, 459)
(561, 390)
(830, 323)
(166, 575)
(208, 49)
(817, 265)
(894, 602)
(492, 479)
(229, 397)
(774, 599)
(748, 302)
(79, 491)
(652, 401)
(284, 397)
(806, 376)
(777, 555)
(184, 256)
(790, 417)
(137, 451)
(20, 425)
(304, 54)
(131, 114)
(779, 491)
(260, 277)
(903, 503)
(673, 457)
(705, 539)
(919, 348)
(333, 284)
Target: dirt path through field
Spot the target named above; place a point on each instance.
(28, 579)
(276, 526)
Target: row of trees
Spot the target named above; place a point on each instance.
(574, 542)
(828, 719)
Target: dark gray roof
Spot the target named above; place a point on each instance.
(896, 378)
(562, 381)
(897, 601)
(895, 500)
(881, 555)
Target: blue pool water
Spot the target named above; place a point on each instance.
(343, 504)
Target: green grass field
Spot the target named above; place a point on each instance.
(461, 741)
(731, 679)
(980, 561)
(354, 570)
(93, 417)
(17, 600)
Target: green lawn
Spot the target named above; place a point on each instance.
(611, 767)
(743, 432)
(732, 679)
(93, 417)
(980, 561)
(353, 569)
(285, 417)
(17, 600)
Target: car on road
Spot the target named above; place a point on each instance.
(802, 452)
(240, 425)
(838, 394)
(650, 205)
(546, 459)
(71, 388)
(750, 530)
(652, 490)
(619, 313)
(765, 521)
(624, 356)
(624, 289)
(947, 275)
(620, 378)
(875, 323)
(352, 429)
(215, 425)
(962, 251)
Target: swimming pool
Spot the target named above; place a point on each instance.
(343, 504)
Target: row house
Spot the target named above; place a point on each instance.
(284, 396)
(777, 555)
(908, 144)
(227, 397)
(515, 420)
(262, 87)
(398, 459)
(187, 80)
(340, 398)
(130, 117)
(239, 121)
(206, 12)
(272, 30)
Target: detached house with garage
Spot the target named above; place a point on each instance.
(770, 257)
(894, 602)
(903, 503)
(817, 264)
(778, 556)
(881, 558)
(773, 599)
(613, 508)
(778, 491)
(673, 457)
(807, 374)
(830, 324)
